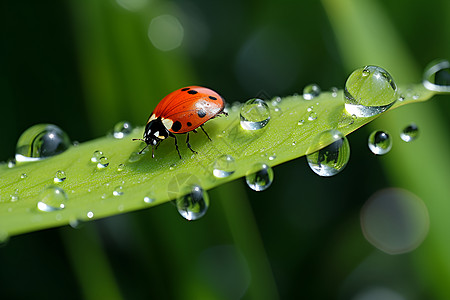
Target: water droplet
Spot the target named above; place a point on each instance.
(60, 176)
(135, 156)
(311, 91)
(52, 198)
(255, 114)
(380, 142)
(437, 76)
(23, 175)
(90, 214)
(14, 197)
(102, 163)
(120, 167)
(334, 92)
(122, 129)
(301, 122)
(118, 191)
(369, 91)
(149, 198)
(11, 163)
(224, 166)
(96, 156)
(312, 116)
(331, 159)
(346, 120)
(272, 157)
(193, 204)
(259, 177)
(410, 133)
(41, 141)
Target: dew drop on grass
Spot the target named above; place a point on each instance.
(96, 156)
(369, 91)
(41, 141)
(333, 158)
(60, 176)
(193, 204)
(311, 91)
(121, 129)
(409, 133)
(52, 198)
(380, 142)
(259, 177)
(255, 114)
(224, 166)
(437, 76)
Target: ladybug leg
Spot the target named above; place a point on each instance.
(201, 126)
(176, 144)
(189, 145)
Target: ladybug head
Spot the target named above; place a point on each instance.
(154, 133)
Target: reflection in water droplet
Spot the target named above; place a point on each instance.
(312, 116)
(52, 198)
(333, 158)
(166, 32)
(102, 163)
(41, 141)
(224, 166)
(437, 76)
(255, 114)
(60, 176)
(395, 221)
(380, 142)
(259, 177)
(301, 122)
(121, 129)
(96, 156)
(410, 133)
(118, 191)
(311, 91)
(369, 91)
(193, 204)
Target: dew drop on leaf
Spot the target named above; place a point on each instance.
(255, 114)
(380, 142)
(52, 198)
(437, 76)
(224, 166)
(259, 177)
(311, 91)
(369, 91)
(60, 176)
(121, 129)
(409, 133)
(193, 203)
(96, 156)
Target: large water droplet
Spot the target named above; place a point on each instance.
(333, 158)
(409, 133)
(311, 91)
(60, 176)
(96, 156)
(224, 166)
(369, 91)
(437, 76)
(102, 163)
(193, 204)
(255, 114)
(380, 142)
(122, 129)
(52, 198)
(41, 141)
(259, 177)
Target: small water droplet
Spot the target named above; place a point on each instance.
(410, 133)
(437, 76)
(102, 163)
(149, 198)
(312, 116)
(193, 204)
(311, 91)
(224, 166)
(259, 177)
(14, 197)
(172, 167)
(120, 167)
(255, 114)
(301, 122)
(272, 157)
(369, 91)
(334, 92)
(135, 156)
(333, 158)
(90, 214)
(11, 163)
(380, 142)
(346, 120)
(118, 191)
(52, 198)
(41, 141)
(96, 156)
(60, 176)
(23, 175)
(310, 108)
(122, 129)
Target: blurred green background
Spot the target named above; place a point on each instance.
(84, 65)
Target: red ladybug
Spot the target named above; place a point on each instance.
(182, 111)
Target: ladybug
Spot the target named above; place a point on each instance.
(182, 111)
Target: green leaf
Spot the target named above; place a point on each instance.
(130, 178)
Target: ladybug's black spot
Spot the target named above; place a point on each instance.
(192, 92)
(176, 126)
(212, 98)
(189, 124)
(201, 113)
(185, 89)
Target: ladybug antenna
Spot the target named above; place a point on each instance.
(140, 152)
